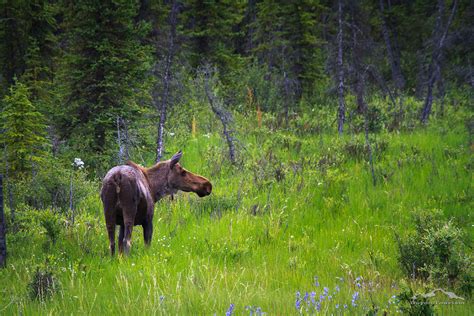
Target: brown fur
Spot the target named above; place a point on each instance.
(129, 193)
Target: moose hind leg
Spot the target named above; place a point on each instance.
(127, 239)
(111, 232)
(120, 238)
(147, 233)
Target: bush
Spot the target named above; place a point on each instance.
(436, 252)
(43, 285)
(51, 223)
(51, 184)
(411, 303)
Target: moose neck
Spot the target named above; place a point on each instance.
(158, 180)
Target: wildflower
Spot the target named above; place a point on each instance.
(298, 301)
(316, 282)
(162, 298)
(258, 311)
(337, 306)
(338, 288)
(345, 306)
(318, 306)
(230, 310)
(306, 296)
(78, 163)
(313, 296)
(355, 297)
(172, 134)
(326, 291)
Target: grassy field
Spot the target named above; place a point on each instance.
(298, 215)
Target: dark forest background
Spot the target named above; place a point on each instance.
(73, 73)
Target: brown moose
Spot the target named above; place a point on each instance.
(129, 194)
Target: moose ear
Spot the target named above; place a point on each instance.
(176, 157)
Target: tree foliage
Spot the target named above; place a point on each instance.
(23, 130)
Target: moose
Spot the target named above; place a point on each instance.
(129, 193)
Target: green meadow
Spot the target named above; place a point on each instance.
(297, 219)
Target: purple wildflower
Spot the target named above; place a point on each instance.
(345, 306)
(338, 288)
(355, 297)
(306, 297)
(326, 291)
(337, 306)
(318, 306)
(341, 279)
(313, 296)
(230, 311)
(298, 301)
(316, 282)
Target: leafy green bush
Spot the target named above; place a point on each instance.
(411, 303)
(51, 224)
(436, 252)
(52, 184)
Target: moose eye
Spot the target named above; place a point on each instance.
(183, 173)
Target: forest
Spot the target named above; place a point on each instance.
(337, 136)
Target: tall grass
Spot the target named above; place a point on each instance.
(292, 210)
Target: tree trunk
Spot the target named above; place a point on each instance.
(122, 140)
(223, 116)
(340, 66)
(3, 241)
(393, 56)
(435, 59)
(286, 86)
(9, 188)
(166, 79)
(71, 195)
(119, 142)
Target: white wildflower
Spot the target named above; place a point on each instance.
(78, 163)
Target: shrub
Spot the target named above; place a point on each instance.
(51, 223)
(43, 285)
(411, 303)
(51, 184)
(436, 252)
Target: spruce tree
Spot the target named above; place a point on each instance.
(106, 63)
(211, 28)
(23, 130)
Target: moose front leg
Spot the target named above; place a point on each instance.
(147, 232)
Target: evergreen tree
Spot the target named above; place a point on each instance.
(27, 41)
(211, 28)
(106, 63)
(23, 130)
(288, 39)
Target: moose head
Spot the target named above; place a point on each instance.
(181, 179)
